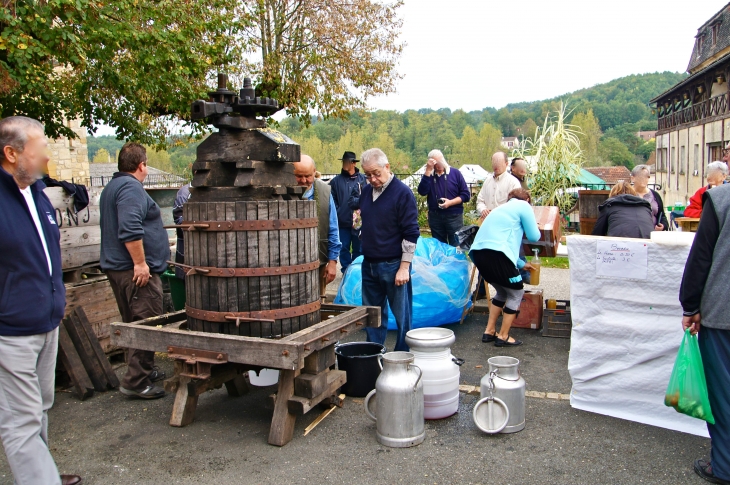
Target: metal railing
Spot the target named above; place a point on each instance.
(152, 180)
(671, 116)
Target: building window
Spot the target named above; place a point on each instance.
(696, 166)
(673, 159)
(714, 34)
(682, 160)
(664, 159)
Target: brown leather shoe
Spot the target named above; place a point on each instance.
(70, 479)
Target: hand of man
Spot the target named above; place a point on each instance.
(430, 164)
(141, 274)
(692, 323)
(659, 227)
(485, 213)
(403, 275)
(446, 204)
(331, 272)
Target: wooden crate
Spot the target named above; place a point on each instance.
(97, 300)
(530, 315)
(548, 221)
(588, 202)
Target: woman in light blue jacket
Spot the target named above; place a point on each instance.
(496, 252)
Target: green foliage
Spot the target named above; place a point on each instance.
(615, 152)
(101, 156)
(132, 64)
(556, 149)
(589, 134)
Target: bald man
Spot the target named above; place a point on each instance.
(497, 186)
(329, 234)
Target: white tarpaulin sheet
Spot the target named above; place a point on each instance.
(627, 327)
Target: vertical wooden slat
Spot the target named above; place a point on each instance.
(264, 287)
(254, 287)
(274, 260)
(241, 262)
(284, 260)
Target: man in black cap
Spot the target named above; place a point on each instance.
(342, 186)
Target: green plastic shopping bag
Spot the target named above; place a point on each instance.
(687, 390)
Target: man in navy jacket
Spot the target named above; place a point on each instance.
(446, 193)
(32, 302)
(389, 235)
(342, 186)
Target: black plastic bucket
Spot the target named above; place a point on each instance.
(360, 361)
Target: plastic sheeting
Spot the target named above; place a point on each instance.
(440, 276)
(626, 334)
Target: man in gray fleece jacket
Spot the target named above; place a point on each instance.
(134, 252)
(703, 296)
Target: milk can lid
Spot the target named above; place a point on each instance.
(491, 415)
(430, 337)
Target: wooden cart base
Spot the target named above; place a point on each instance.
(205, 361)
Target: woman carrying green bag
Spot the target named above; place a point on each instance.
(704, 299)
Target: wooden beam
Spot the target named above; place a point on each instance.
(273, 354)
(282, 423)
(72, 363)
(111, 376)
(85, 353)
(302, 405)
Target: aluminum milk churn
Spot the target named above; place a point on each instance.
(509, 386)
(399, 403)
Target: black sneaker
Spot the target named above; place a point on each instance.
(157, 374)
(488, 338)
(149, 392)
(704, 469)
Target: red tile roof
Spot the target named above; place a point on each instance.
(611, 174)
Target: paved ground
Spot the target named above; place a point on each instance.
(112, 440)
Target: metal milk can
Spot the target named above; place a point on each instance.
(506, 383)
(399, 405)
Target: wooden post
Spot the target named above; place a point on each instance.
(282, 423)
(183, 410)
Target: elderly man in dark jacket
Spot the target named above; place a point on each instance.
(389, 236)
(32, 302)
(703, 296)
(342, 186)
(624, 214)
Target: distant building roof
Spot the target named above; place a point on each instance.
(611, 175)
(712, 40)
(102, 173)
(509, 138)
(646, 135)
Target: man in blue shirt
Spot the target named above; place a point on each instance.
(329, 237)
(342, 186)
(446, 192)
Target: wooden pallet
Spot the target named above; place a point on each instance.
(205, 361)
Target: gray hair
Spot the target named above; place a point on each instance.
(716, 167)
(436, 154)
(639, 168)
(14, 132)
(373, 155)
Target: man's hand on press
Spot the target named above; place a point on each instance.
(331, 271)
(692, 323)
(141, 274)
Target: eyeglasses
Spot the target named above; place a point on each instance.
(725, 151)
(372, 175)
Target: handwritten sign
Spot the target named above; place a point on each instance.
(621, 259)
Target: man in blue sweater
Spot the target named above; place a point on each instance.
(32, 301)
(388, 236)
(342, 186)
(134, 253)
(446, 193)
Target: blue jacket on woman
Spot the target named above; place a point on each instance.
(32, 301)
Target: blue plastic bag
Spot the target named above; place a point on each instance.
(440, 276)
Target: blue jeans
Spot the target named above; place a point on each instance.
(349, 236)
(378, 286)
(444, 226)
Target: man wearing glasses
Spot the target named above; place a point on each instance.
(388, 236)
(134, 253)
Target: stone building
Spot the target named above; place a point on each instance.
(694, 115)
(70, 158)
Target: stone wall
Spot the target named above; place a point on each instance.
(70, 158)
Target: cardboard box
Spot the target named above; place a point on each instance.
(548, 221)
(531, 310)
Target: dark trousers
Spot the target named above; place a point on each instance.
(137, 303)
(350, 239)
(444, 226)
(715, 350)
(378, 287)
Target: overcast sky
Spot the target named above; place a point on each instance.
(471, 54)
